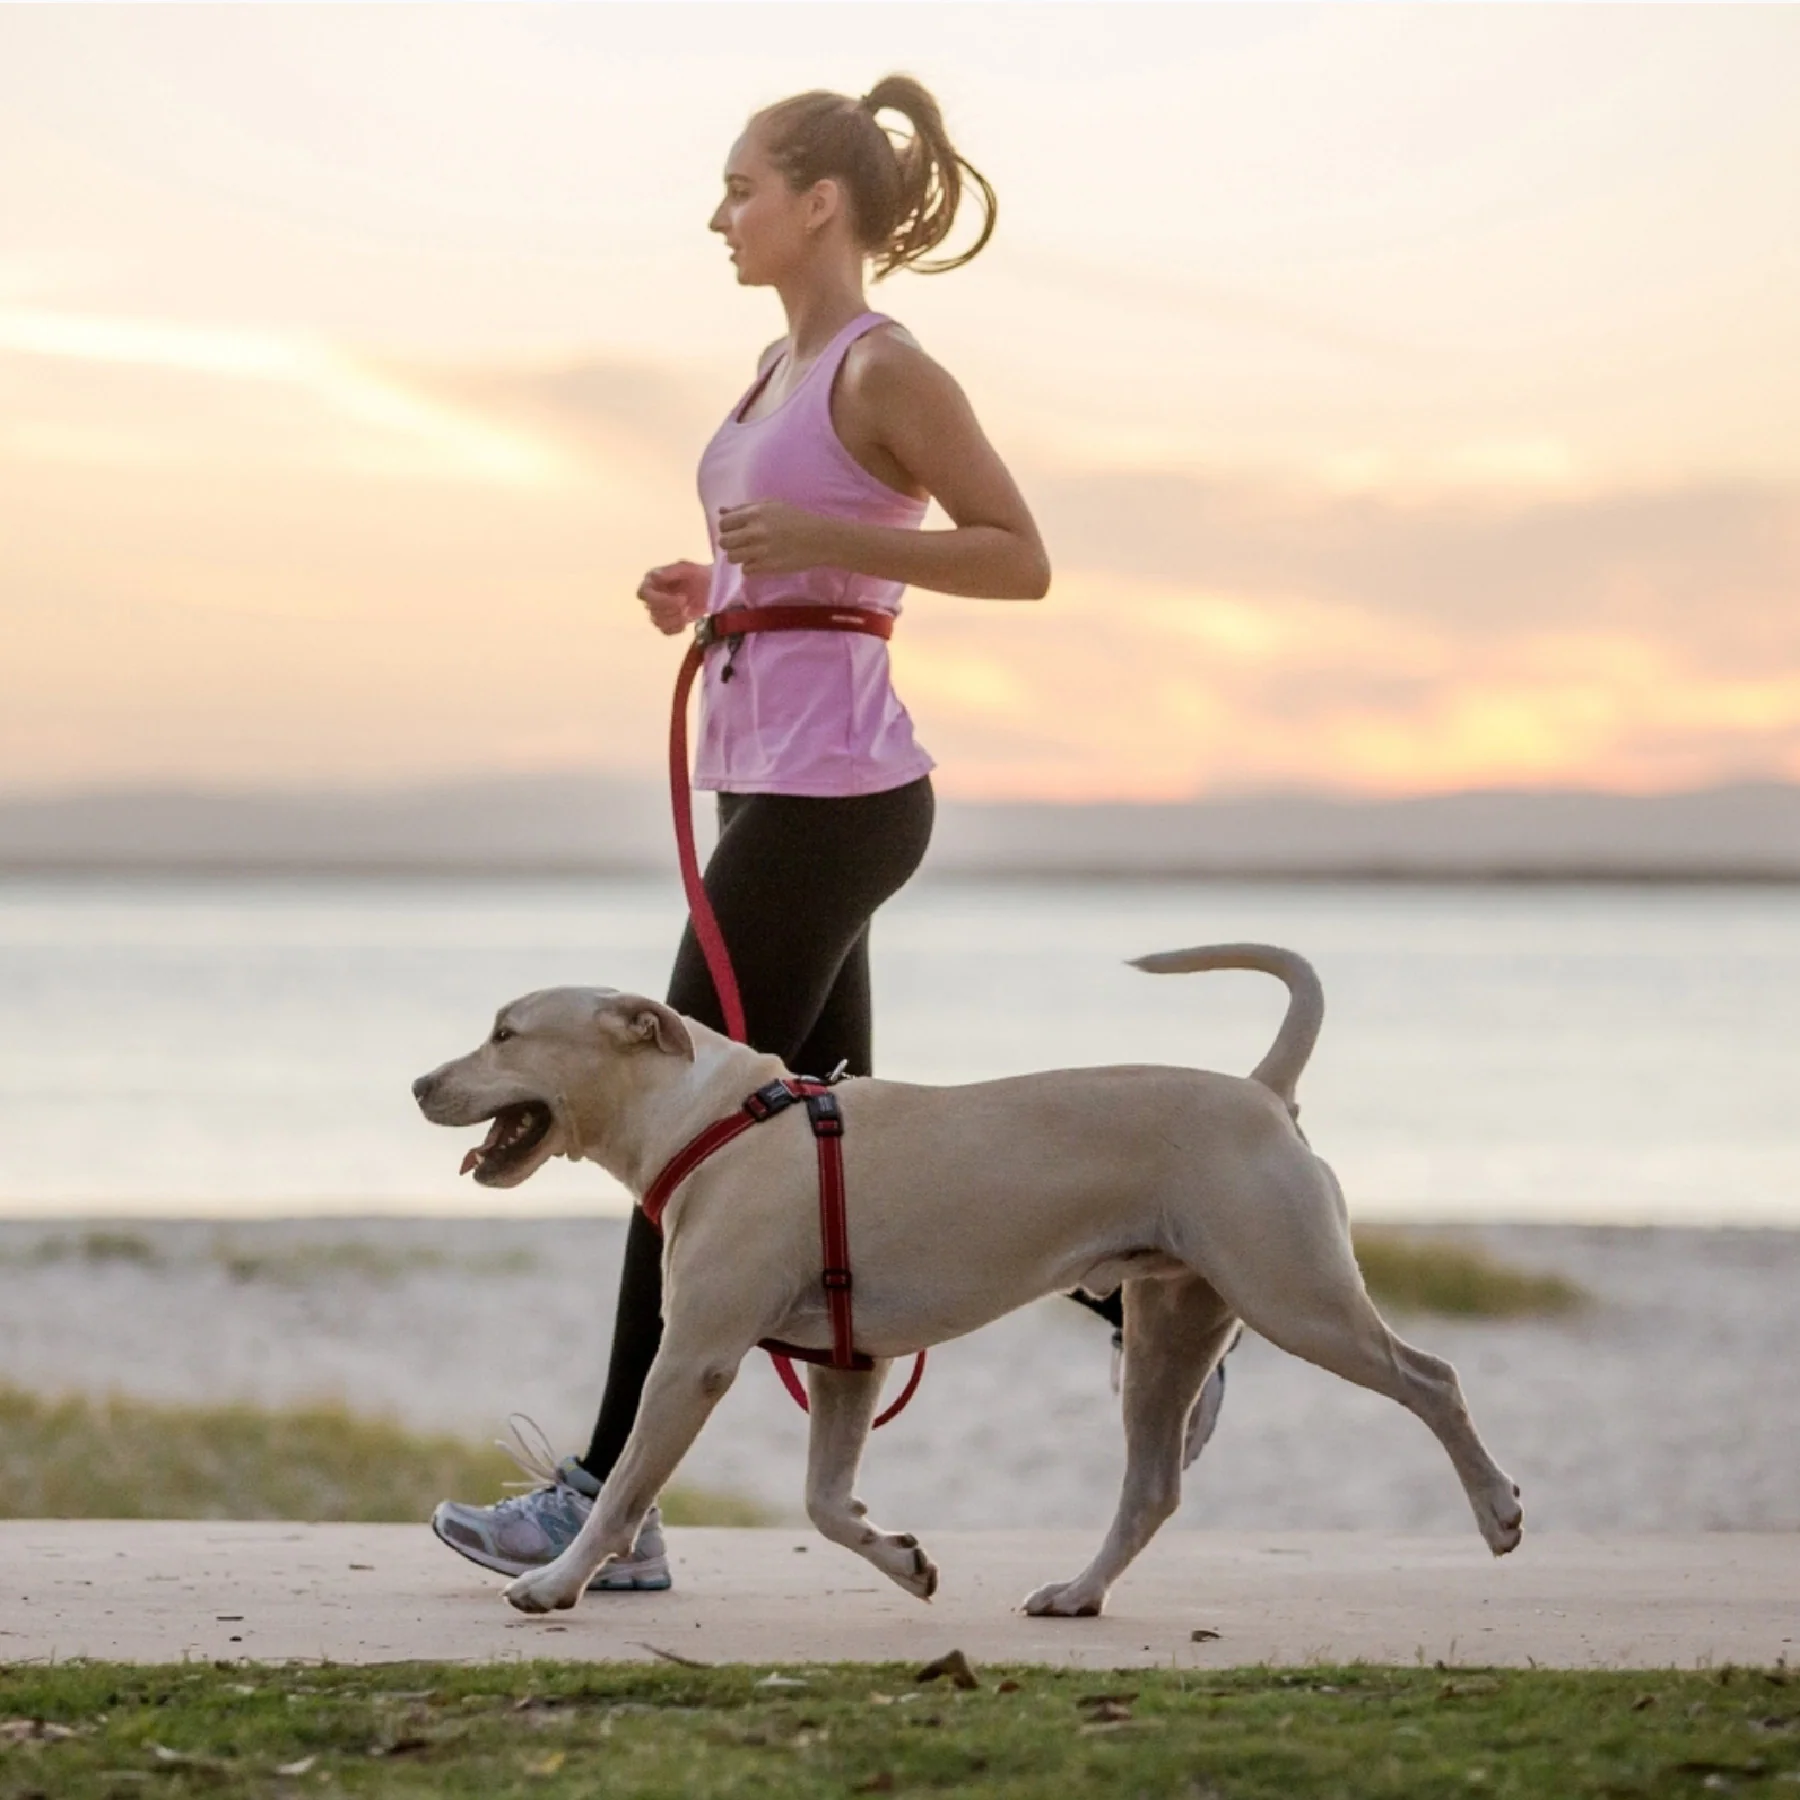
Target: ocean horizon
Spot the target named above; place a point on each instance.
(1551, 1052)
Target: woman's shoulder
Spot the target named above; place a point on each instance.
(888, 362)
(887, 341)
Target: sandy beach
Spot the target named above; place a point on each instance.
(1670, 1404)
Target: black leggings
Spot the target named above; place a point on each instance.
(794, 882)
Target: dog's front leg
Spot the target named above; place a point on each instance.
(1175, 1331)
(690, 1376)
(842, 1403)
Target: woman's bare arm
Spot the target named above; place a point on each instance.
(900, 407)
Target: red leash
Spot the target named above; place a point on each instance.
(731, 625)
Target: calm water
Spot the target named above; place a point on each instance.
(1566, 1053)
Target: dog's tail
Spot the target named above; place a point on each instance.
(1279, 1071)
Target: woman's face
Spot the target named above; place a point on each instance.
(768, 228)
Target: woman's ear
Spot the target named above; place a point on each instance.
(824, 201)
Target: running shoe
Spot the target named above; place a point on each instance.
(528, 1530)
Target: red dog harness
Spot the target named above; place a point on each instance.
(827, 1120)
(822, 1109)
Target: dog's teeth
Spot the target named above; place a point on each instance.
(472, 1160)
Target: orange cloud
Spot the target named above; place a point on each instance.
(203, 582)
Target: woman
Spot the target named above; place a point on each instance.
(815, 488)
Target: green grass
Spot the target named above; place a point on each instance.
(128, 1459)
(1434, 1275)
(553, 1730)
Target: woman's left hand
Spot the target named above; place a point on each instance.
(770, 537)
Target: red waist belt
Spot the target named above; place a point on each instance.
(822, 1109)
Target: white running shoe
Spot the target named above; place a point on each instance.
(528, 1530)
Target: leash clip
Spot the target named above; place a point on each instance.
(707, 633)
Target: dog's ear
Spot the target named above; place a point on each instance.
(640, 1021)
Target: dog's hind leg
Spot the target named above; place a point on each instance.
(693, 1370)
(1175, 1332)
(1313, 1304)
(842, 1405)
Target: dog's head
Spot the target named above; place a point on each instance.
(536, 1079)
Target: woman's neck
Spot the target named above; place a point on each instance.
(818, 310)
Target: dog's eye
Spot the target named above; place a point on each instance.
(502, 1033)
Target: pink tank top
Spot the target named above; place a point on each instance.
(805, 712)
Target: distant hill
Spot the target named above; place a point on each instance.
(572, 822)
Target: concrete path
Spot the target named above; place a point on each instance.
(376, 1593)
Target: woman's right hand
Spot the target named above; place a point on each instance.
(675, 595)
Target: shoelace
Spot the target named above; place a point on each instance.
(533, 1454)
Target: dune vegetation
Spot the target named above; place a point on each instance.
(1422, 1273)
(79, 1458)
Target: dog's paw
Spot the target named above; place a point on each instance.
(1502, 1519)
(543, 1591)
(1065, 1600)
(902, 1559)
(921, 1580)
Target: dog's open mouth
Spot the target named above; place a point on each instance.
(515, 1132)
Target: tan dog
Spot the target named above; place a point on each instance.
(1195, 1190)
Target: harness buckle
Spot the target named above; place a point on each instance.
(826, 1116)
(706, 633)
(767, 1101)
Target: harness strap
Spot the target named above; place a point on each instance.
(784, 1356)
(827, 1122)
(765, 1103)
(715, 1137)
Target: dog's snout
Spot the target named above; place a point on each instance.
(423, 1086)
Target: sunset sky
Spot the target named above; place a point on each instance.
(1410, 397)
